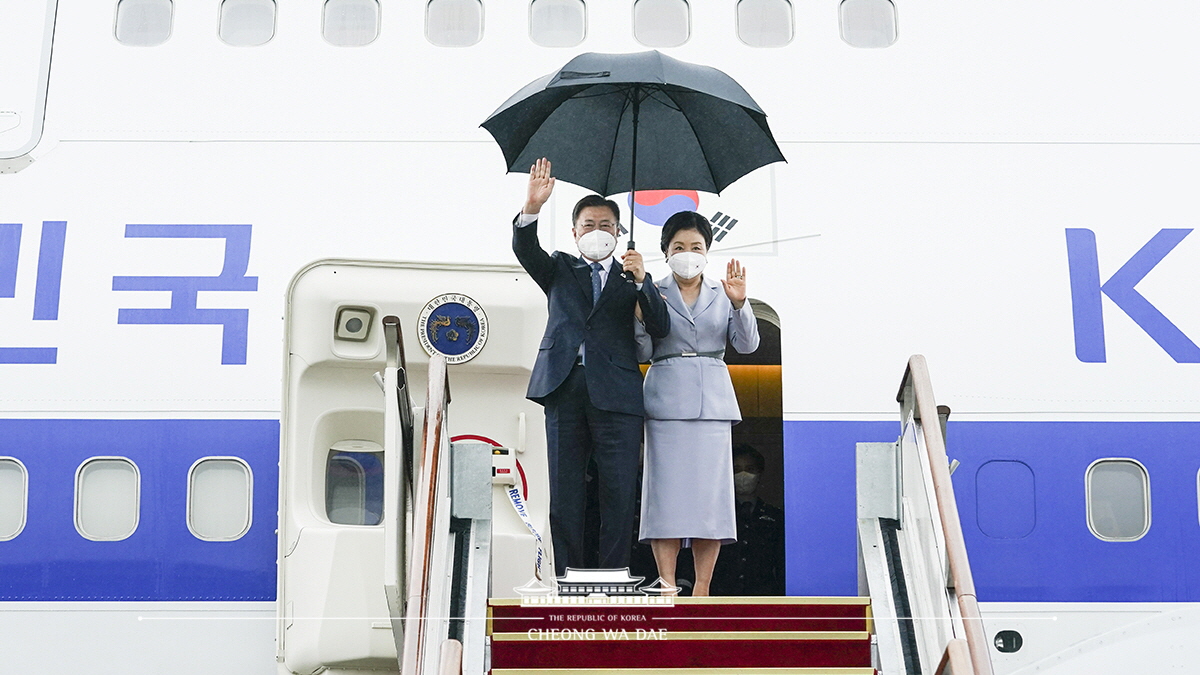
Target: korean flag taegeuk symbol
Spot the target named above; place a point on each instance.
(454, 326)
(655, 206)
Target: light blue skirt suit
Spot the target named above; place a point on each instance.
(687, 479)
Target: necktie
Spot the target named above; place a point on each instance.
(596, 267)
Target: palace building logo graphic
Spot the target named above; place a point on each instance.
(597, 587)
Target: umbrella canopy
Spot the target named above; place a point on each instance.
(689, 127)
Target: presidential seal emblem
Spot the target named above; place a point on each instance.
(454, 326)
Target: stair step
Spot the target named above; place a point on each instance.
(687, 614)
(582, 648)
(682, 670)
(748, 601)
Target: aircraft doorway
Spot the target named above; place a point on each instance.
(758, 382)
(754, 565)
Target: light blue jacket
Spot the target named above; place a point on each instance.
(690, 387)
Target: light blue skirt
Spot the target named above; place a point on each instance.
(687, 481)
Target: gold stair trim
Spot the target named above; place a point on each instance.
(601, 635)
(683, 671)
(724, 600)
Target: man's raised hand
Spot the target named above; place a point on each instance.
(541, 184)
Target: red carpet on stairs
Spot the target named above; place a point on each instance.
(723, 633)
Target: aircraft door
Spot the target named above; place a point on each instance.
(342, 481)
(332, 483)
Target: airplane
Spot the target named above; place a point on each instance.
(1004, 190)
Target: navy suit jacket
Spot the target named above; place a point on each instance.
(606, 330)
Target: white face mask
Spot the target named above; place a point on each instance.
(596, 245)
(745, 483)
(687, 264)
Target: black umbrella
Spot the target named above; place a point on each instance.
(699, 130)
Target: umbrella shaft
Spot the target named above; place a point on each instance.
(637, 101)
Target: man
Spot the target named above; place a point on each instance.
(586, 373)
(753, 565)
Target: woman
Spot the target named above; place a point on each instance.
(687, 483)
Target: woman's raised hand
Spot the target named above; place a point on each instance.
(541, 184)
(735, 283)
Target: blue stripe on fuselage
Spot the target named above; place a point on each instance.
(1059, 560)
(161, 560)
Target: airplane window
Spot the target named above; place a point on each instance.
(557, 23)
(662, 23)
(868, 23)
(454, 23)
(14, 495)
(350, 23)
(1005, 504)
(354, 483)
(219, 498)
(107, 498)
(143, 23)
(247, 23)
(1118, 499)
(765, 23)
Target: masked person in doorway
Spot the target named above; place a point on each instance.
(586, 374)
(687, 479)
(753, 565)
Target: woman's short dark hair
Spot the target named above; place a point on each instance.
(595, 200)
(686, 220)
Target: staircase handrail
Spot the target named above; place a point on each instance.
(425, 507)
(451, 658)
(397, 452)
(924, 407)
(957, 658)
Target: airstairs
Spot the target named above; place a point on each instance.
(912, 556)
(916, 612)
(412, 596)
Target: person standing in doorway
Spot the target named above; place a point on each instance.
(687, 481)
(753, 565)
(586, 373)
